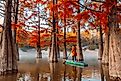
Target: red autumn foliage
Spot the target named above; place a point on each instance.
(66, 9)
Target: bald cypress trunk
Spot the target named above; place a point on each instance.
(65, 49)
(39, 53)
(79, 74)
(15, 20)
(53, 54)
(114, 53)
(50, 47)
(100, 44)
(79, 48)
(57, 39)
(105, 56)
(105, 73)
(54, 72)
(8, 57)
(114, 45)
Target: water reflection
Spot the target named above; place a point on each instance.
(61, 72)
(105, 73)
(74, 75)
(42, 70)
(24, 77)
(79, 74)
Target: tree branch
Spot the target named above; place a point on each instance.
(2, 10)
(100, 1)
(119, 8)
(83, 6)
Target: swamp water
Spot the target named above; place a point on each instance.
(31, 69)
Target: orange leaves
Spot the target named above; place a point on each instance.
(94, 5)
(103, 20)
(22, 36)
(46, 35)
(83, 15)
(52, 7)
(41, 1)
(71, 39)
(19, 25)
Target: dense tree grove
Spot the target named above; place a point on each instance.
(60, 15)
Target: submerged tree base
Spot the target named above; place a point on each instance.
(53, 61)
(9, 72)
(115, 78)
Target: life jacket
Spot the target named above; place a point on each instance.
(73, 51)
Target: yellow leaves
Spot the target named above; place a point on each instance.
(71, 34)
(86, 34)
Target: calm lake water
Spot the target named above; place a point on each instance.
(31, 69)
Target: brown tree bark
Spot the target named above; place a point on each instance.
(79, 74)
(57, 39)
(15, 20)
(53, 55)
(105, 56)
(64, 74)
(65, 49)
(100, 43)
(58, 49)
(39, 53)
(115, 53)
(79, 48)
(8, 58)
(50, 47)
(114, 44)
(54, 72)
(105, 73)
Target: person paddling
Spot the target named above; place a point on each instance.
(73, 53)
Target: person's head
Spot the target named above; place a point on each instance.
(74, 45)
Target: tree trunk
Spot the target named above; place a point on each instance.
(16, 5)
(79, 74)
(105, 56)
(58, 50)
(57, 45)
(39, 53)
(50, 46)
(53, 55)
(105, 73)
(115, 53)
(114, 45)
(79, 48)
(100, 44)
(8, 57)
(54, 72)
(64, 75)
(65, 50)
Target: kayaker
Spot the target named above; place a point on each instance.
(73, 53)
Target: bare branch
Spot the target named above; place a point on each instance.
(83, 6)
(2, 10)
(100, 1)
(119, 8)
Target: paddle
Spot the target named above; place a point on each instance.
(66, 58)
